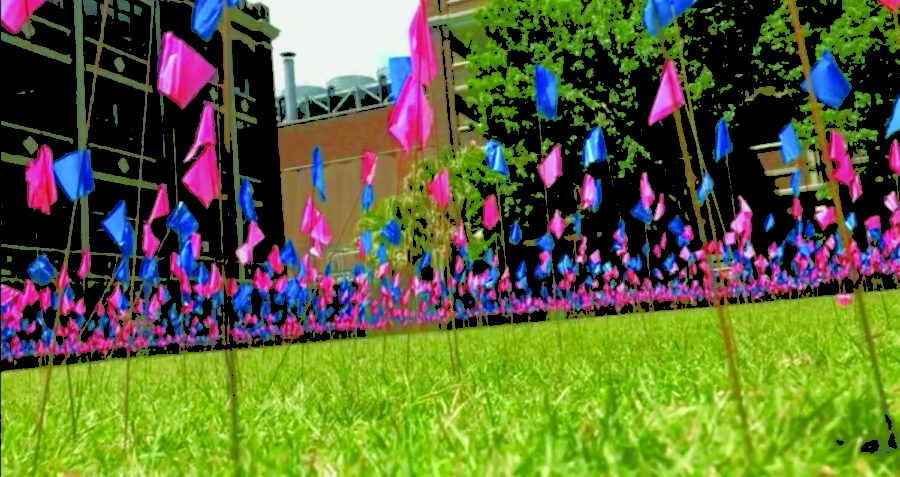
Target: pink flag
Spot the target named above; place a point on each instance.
(891, 5)
(439, 189)
(149, 242)
(873, 222)
(855, 188)
(367, 167)
(894, 158)
(161, 204)
(40, 179)
(588, 192)
(182, 71)
(411, 118)
(824, 216)
(669, 97)
(275, 260)
(646, 192)
(202, 179)
(491, 214)
(310, 216)
(843, 299)
(550, 168)
(195, 245)
(254, 237)
(206, 131)
(891, 202)
(796, 210)
(16, 12)
(838, 152)
(660, 210)
(321, 232)
(62, 280)
(459, 236)
(556, 225)
(424, 65)
(85, 266)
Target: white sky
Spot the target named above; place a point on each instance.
(338, 37)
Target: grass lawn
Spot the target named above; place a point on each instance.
(645, 394)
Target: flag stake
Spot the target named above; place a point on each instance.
(835, 194)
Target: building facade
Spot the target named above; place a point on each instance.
(85, 85)
(346, 121)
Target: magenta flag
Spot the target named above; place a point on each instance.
(646, 192)
(550, 168)
(367, 167)
(202, 179)
(85, 266)
(660, 210)
(491, 213)
(41, 182)
(669, 96)
(310, 216)
(439, 189)
(410, 120)
(824, 216)
(182, 71)
(891, 5)
(556, 225)
(838, 151)
(254, 237)
(421, 48)
(15, 13)
(894, 158)
(321, 233)
(855, 188)
(206, 131)
(588, 192)
(891, 202)
(161, 204)
(149, 242)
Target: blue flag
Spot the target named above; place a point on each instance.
(73, 174)
(515, 233)
(642, 214)
(205, 18)
(830, 86)
(795, 183)
(660, 13)
(288, 254)
(723, 142)
(596, 205)
(770, 222)
(424, 261)
(149, 273)
(594, 149)
(399, 68)
(118, 227)
(391, 232)
(245, 199)
(40, 271)
(790, 147)
(366, 238)
(850, 221)
(893, 124)
(706, 186)
(121, 273)
(545, 92)
(493, 151)
(576, 224)
(318, 173)
(367, 197)
(381, 253)
(182, 221)
(545, 242)
(676, 226)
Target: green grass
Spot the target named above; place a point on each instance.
(639, 395)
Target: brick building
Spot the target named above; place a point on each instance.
(346, 119)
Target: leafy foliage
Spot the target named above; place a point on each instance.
(424, 224)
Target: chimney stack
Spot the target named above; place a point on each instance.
(290, 87)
